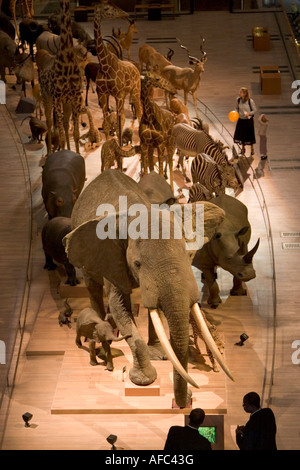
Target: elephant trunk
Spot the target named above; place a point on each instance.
(178, 350)
(177, 315)
(157, 323)
(117, 338)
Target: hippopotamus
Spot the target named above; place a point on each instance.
(53, 232)
(63, 178)
(228, 249)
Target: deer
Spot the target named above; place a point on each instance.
(187, 79)
(125, 39)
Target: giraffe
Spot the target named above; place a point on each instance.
(116, 77)
(111, 152)
(61, 83)
(156, 125)
(28, 10)
(93, 135)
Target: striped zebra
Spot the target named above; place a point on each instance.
(192, 142)
(198, 192)
(206, 172)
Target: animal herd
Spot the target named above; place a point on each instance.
(60, 52)
(100, 63)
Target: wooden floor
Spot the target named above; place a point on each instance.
(75, 405)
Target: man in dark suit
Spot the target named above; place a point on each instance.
(259, 433)
(188, 437)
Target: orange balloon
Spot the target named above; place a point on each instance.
(233, 116)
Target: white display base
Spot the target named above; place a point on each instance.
(82, 388)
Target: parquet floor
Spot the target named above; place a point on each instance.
(48, 373)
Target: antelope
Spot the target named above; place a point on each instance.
(186, 79)
(125, 39)
(152, 59)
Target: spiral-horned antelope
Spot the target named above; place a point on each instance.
(125, 39)
(187, 79)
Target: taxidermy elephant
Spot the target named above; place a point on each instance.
(90, 325)
(157, 189)
(122, 261)
(228, 249)
(53, 233)
(63, 178)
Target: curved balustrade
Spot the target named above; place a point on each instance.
(16, 236)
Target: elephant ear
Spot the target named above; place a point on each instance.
(100, 258)
(213, 216)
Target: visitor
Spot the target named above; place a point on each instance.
(244, 132)
(260, 431)
(188, 437)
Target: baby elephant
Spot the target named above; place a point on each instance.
(90, 325)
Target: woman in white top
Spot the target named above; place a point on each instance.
(244, 131)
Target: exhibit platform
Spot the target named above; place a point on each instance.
(83, 388)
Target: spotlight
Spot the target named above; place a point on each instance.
(112, 439)
(243, 338)
(27, 417)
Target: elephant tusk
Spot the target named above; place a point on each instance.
(209, 341)
(160, 331)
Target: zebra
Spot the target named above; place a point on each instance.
(198, 192)
(206, 172)
(192, 142)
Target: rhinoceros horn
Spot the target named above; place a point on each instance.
(248, 256)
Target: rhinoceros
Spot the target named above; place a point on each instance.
(63, 178)
(228, 249)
